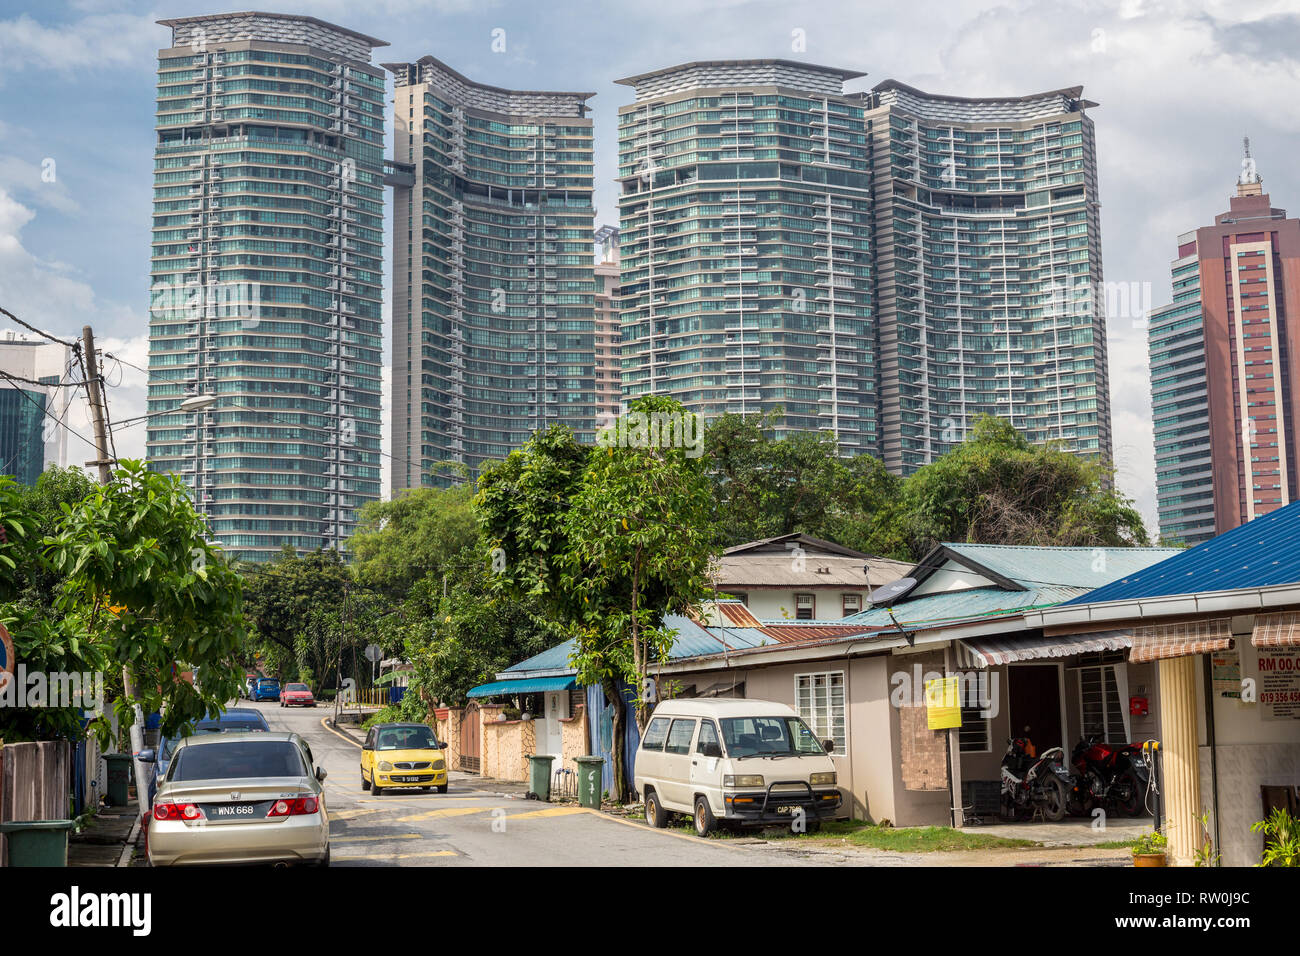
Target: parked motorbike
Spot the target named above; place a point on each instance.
(1111, 776)
(1032, 783)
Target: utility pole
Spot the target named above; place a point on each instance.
(104, 463)
(96, 406)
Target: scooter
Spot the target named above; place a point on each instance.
(1111, 776)
(1034, 783)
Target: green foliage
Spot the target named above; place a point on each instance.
(283, 600)
(139, 579)
(422, 532)
(1281, 838)
(1147, 843)
(994, 488)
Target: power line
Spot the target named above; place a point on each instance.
(122, 361)
(32, 328)
(45, 411)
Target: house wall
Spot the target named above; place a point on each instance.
(506, 745)
(915, 807)
(776, 604)
(1251, 753)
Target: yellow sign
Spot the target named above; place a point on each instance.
(943, 703)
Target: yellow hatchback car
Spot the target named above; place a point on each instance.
(403, 757)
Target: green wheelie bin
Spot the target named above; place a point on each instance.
(539, 777)
(37, 842)
(590, 771)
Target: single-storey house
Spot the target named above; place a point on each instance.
(801, 578)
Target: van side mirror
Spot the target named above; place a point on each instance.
(828, 745)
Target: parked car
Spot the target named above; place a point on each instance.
(240, 798)
(403, 757)
(234, 719)
(742, 762)
(266, 688)
(297, 695)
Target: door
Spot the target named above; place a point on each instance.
(675, 777)
(368, 756)
(556, 710)
(470, 735)
(1034, 700)
(706, 766)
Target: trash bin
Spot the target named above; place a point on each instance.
(119, 777)
(539, 777)
(37, 842)
(590, 772)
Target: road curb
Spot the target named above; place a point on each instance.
(347, 735)
(124, 858)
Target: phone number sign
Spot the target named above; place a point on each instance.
(1279, 682)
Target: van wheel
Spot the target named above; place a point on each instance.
(703, 817)
(655, 814)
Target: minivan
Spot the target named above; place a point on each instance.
(736, 762)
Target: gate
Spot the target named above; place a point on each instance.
(470, 739)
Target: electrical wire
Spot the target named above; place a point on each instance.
(32, 328)
(45, 411)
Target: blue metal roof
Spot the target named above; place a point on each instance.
(523, 685)
(553, 659)
(972, 603)
(1260, 553)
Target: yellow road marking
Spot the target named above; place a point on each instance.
(324, 722)
(553, 812)
(445, 812)
(349, 814)
(395, 856)
(378, 839)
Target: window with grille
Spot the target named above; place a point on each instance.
(1101, 703)
(852, 604)
(973, 736)
(803, 607)
(819, 699)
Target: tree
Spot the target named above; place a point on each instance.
(997, 488)
(141, 577)
(280, 597)
(609, 540)
(422, 532)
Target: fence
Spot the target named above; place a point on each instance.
(35, 782)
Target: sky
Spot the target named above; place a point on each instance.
(1179, 84)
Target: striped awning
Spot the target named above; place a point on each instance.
(1155, 642)
(983, 652)
(1277, 630)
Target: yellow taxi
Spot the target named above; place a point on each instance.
(403, 757)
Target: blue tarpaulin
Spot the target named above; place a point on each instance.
(524, 685)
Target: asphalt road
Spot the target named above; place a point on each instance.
(472, 827)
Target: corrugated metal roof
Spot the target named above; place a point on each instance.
(1260, 553)
(948, 607)
(735, 612)
(982, 652)
(1076, 567)
(523, 685)
(554, 659)
(739, 571)
(811, 631)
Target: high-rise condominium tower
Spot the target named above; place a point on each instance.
(268, 272)
(988, 270)
(493, 282)
(1225, 360)
(609, 372)
(746, 244)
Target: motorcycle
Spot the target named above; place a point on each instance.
(1032, 783)
(1112, 776)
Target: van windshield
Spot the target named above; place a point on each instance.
(769, 737)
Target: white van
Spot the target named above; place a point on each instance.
(743, 762)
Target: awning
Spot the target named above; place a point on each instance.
(1276, 630)
(523, 685)
(985, 652)
(1159, 641)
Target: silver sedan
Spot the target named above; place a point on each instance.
(240, 798)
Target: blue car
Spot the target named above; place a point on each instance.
(268, 688)
(235, 719)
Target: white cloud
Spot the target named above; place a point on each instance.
(89, 43)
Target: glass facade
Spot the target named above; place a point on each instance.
(991, 298)
(746, 268)
(1180, 411)
(22, 444)
(494, 283)
(267, 277)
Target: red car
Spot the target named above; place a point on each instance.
(300, 695)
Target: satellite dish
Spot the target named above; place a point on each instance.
(887, 594)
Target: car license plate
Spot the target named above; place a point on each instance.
(407, 779)
(785, 809)
(234, 811)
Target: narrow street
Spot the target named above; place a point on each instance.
(473, 827)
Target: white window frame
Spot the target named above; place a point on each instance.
(845, 598)
(812, 598)
(1120, 669)
(810, 719)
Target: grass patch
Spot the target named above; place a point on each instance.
(1114, 844)
(916, 839)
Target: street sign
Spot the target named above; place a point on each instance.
(373, 652)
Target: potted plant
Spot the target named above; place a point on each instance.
(1149, 849)
(1281, 838)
